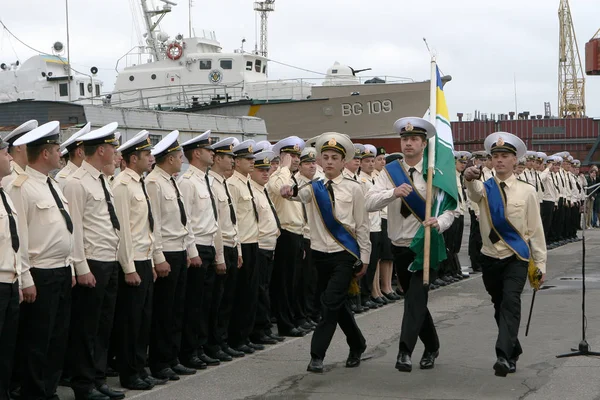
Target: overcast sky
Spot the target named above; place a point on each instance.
(482, 44)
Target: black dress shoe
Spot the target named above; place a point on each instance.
(112, 393)
(354, 309)
(92, 395)
(137, 384)
(155, 381)
(294, 332)
(353, 359)
(276, 337)
(179, 369)
(111, 372)
(211, 362)
(221, 356)
(307, 327)
(501, 367)
(315, 365)
(512, 366)
(194, 362)
(233, 352)
(403, 362)
(433, 287)
(246, 349)
(440, 282)
(256, 346)
(264, 339)
(428, 359)
(391, 297)
(370, 304)
(166, 373)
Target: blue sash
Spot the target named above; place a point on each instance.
(339, 232)
(413, 201)
(506, 231)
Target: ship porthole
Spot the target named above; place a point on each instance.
(131, 78)
(153, 76)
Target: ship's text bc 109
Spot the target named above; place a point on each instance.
(370, 107)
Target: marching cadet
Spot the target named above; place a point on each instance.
(268, 232)
(475, 243)
(403, 189)
(137, 274)
(18, 153)
(199, 322)
(45, 228)
(109, 170)
(336, 214)
(370, 290)
(386, 258)
(306, 173)
(10, 272)
(286, 287)
(511, 208)
(351, 168)
(72, 148)
(96, 238)
(218, 346)
(175, 249)
(246, 296)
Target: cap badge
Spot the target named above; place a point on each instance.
(148, 140)
(332, 142)
(231, 146)
(409, 127)
(367, 151)
(296, 147)
(311, 154)
(500, 142)
(266, 160)
(250, 149)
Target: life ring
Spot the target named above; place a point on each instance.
(174, 51)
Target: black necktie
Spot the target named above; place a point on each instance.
(404, 210)
(150, 217)
(273, 209)
(60, 205)
(12, 224)
(182, 214)
(570, 182)
(212, 198)
(111, 208)
(493, 235)
(253, 203)
(303, 206)
(329, 186)
(231, 210)
(542, 184)
(462, 187)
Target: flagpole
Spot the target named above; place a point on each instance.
(430, 168)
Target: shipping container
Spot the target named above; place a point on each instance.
(592, 57)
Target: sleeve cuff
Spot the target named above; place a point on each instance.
(220, 259)
(27, 280)
(542, 267)
(192, 251)
(82, 268)
(159, 257)
(128, 268)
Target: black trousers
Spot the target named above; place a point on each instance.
(366, 284)
(335, 274)
(43, 333)
(9, 323)
(475, 242)
(92, 317)
(504, 281)
(558, 221)
(287, 257)
(133, 322)
(386, 243)
(195, 319)
(167, 313)
(262, 324)
(575, 224)
(227, 298)
(311, 277)
(246, 297)
(546, 210)
(417, 321)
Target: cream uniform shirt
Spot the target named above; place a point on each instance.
(196, 196)
(242, 201)
(169, 232)
(93, 233)
(401, 231)
(66, 172)
(462, 201)
(10, 262)
(131, 206)
(46, 243)
(522, 211)
(551, 188)
(267, 226)
(229, 230)
(367, 183)
(290, 213)
(349, 210)
(303, 180)
(15, 170)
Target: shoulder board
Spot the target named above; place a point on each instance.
(126, 178)
(364, 180)
(352, 180)
(19, 180)
(79, 173)
(62, 175)
(187, 175)
(151, 178)
(521, 180)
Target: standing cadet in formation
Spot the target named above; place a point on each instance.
(46, 243)
(174, 251)
(96, 239)
(287, 274)
(137, 274)
(268, 232)
(18, 153)
(246, 295)
(512, 232)
(200, 310)
(72, 148)
(479, 158)
(10, 274)
(337, 214)
(403, 189)
(352, 166)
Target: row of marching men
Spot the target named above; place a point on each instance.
(559, 186)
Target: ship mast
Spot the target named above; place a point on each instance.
(151, 25)
(264, 8)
